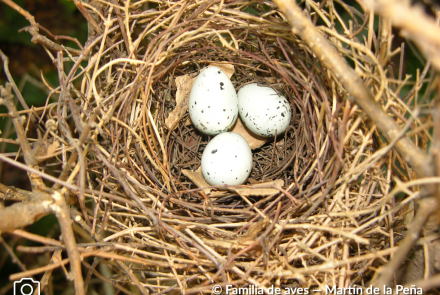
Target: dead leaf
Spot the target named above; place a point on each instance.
(52, 148)
(245, 240)
(226, 67)
(253, 181)
(253, 140)
(271, 80)
(233, 244)
(198, 179)
(260, 189)
(254, 229)
(184, 84)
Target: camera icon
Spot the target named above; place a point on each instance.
(26, 286)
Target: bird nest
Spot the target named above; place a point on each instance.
(324, 204)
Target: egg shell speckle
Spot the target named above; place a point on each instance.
(263, 111)
(213, 103)
(227, 159)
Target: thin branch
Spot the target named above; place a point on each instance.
(62, 213)
(12, 254)
(37, 172)
(11, 80)
(56, 37)
(17, 276)
(415, 24)
(33, 30)
(133, 278)
(36, 238)
(7, 100)
(14, 194)
(23, 214)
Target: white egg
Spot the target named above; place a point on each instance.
(263, 111)
(213, 105)
(227, 159)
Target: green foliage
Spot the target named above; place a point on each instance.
(68, 6)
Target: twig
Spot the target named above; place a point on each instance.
(97, 274)
(39, 270)
(7, 100)
(95, 26)
(37, 172)
(122, 27)
(62, 213)
(12, 254)
(14, 194)
(133, 278)
(415, 24)
(32, 272)
(33, 30)
(36, 238)
(122, 180)
(11, 80)
(40, 109)
(74, 109)
(356, 238)
(335, 264)
(56, 37)
(23, 214)
(426, 208)
(56, 257)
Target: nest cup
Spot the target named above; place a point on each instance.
(177, 236)
(261, 50)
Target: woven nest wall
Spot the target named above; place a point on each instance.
(249, 238)
(320, 205)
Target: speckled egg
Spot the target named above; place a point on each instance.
(213, 105)
(263, 111)
(227, 159)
